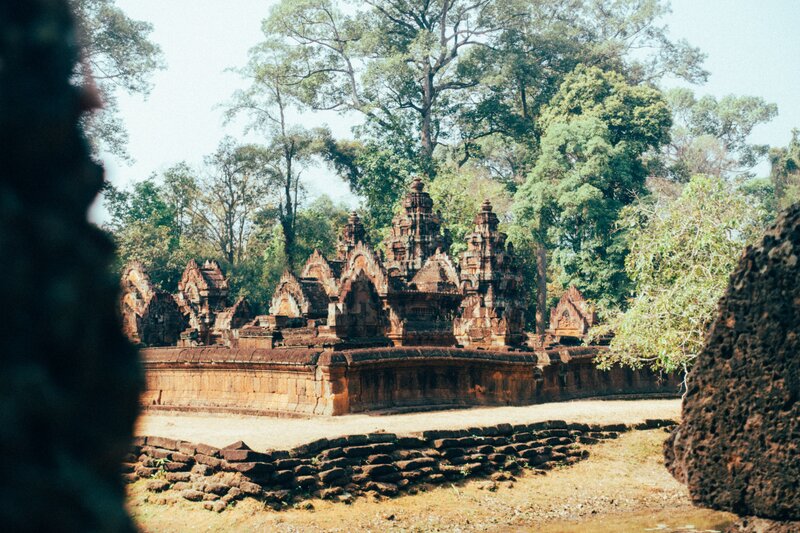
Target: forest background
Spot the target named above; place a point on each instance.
(640, 195)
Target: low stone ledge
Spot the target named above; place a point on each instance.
(345, 467)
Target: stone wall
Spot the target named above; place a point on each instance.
(343, 468)
(317, 382)
(70, 379)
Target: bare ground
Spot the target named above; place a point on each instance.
(261, 432)
(622, 487)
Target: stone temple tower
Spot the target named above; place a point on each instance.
(492, 309)
(416, 234)
(352, 234)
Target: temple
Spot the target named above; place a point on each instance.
(414, 296)
(367, 330)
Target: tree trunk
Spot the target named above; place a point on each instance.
(426, 135)
(288, 227)
(541, 287)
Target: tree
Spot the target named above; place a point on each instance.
(681, 256)
(458, 194)
(596, 129)
(232, 189)
(396, 62)
(785, 173)
(118, 55)
(267, 102)
(525, 67)
(711, 136)
(145, 226)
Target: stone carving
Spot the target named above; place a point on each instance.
(492, 312)
(71, 380)
(150, 316)
(324, 271)
(304, 297)
(352, 234)
(202, 293)
(573, 316)
(415, 234)
(737, 447)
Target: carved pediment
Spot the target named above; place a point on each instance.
(573, 316)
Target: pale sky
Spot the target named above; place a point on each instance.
(752, 45)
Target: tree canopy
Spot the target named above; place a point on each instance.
(681, 256)
(119, 56)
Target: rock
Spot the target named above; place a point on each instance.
(761, 525)
(374, 471)
(737, 447)
(177, 476)
(251, 489)
(192, 495)
(379, 459)
(334, 474)
(304, 470)
(203, 470)
(157, 485)
(217, 506)
(384, 489)
(331, 493)
(219, 489)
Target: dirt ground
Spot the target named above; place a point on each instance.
(622, 487)
(262, 433)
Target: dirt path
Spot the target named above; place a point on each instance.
(263, 433)
(622, 487)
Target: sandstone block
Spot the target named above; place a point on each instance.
(157, 485)
(192, 495)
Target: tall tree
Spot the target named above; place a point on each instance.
(231, 190)
(596, 129)
(396, 62)
(118, 55)
(524, 68)
(272, 95)
(711, 136)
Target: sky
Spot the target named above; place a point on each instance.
(753, 48)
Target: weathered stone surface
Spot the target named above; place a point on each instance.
(761, 525)
(737, 447)
(70, 378)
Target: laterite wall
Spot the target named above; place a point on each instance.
(315, 382)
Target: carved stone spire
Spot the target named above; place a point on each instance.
(416, 233)
(352, 234)
(492, 310)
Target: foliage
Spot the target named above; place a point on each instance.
(290, 148)
(524, 69)
(146, 228)
(377, 170)
(596, 129)
(118, 55)
(710, 136)
(785, 173)
(681, 256)
(228, 194)
(458, 195)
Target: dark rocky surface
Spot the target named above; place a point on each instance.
(738, 446)
(70, 379)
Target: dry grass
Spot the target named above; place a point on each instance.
(622, 487)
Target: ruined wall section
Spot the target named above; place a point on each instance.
(342, 468)
(738, 446)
